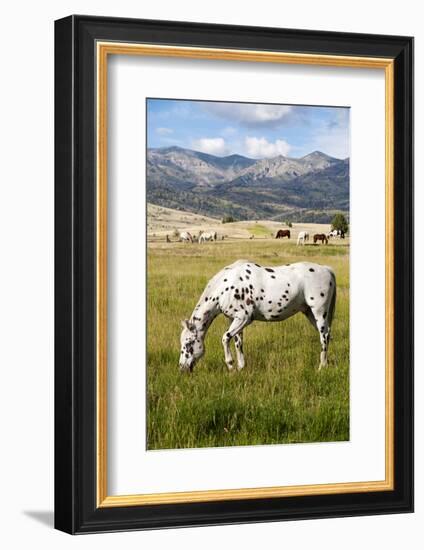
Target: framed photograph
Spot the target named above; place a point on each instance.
(233, 265)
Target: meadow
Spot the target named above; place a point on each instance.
(280, 396)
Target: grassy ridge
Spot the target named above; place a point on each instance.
(280, 397)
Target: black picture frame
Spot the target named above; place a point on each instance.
(76, 508)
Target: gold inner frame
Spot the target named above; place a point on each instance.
(104, 49)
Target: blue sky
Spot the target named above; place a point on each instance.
(251, 129)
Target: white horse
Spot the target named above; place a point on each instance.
(208, 236)
(185, 237)
(245, 292)
(337, 233)
(302, 237)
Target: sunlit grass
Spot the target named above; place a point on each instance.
(259, 230)
(280, 397)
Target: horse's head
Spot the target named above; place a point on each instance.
(192, 347)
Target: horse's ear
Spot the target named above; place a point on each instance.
(184, 324)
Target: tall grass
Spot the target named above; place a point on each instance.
(280, 396)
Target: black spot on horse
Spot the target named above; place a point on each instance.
(322, 294)
(247, 271)
(280, 310)
(272, 276)
(257, 265)
(247, 277)
(237, 296)
(311, 298)
(269, 270)
(206, 299)
(331, 284)
(232, 287)
(241, 278)
(251, 287)
(231, 307)
(226, 290)
(269, 311)
(324, 315)
(262, 290)
(288, 284)
(225, 280)
(311, 269)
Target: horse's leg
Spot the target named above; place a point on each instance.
(238, 341)
(324, 335)
(234, 329)
(319, 321)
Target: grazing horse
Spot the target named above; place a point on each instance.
(210, 236)
(302, 237)
(185, 237)
(339, 233)
(320, 237)
(281, 233)
(245, 292)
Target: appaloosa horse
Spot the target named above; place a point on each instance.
(281, 233)
(245, 292)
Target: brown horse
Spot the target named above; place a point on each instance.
(282, 233)
(320, 237)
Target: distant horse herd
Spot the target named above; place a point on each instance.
(302, 237)
(203, 237)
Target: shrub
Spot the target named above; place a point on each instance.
(339, 222)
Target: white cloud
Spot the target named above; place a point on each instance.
(262, 148)
(164, 131)
(212, 146)
(250, 114)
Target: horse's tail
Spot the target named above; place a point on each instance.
(333, 299)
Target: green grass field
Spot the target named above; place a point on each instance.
(280, 396)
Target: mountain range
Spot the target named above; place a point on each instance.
(311, 188)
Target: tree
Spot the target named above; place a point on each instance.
(339, 222)
(289, 224)
(228, 219)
